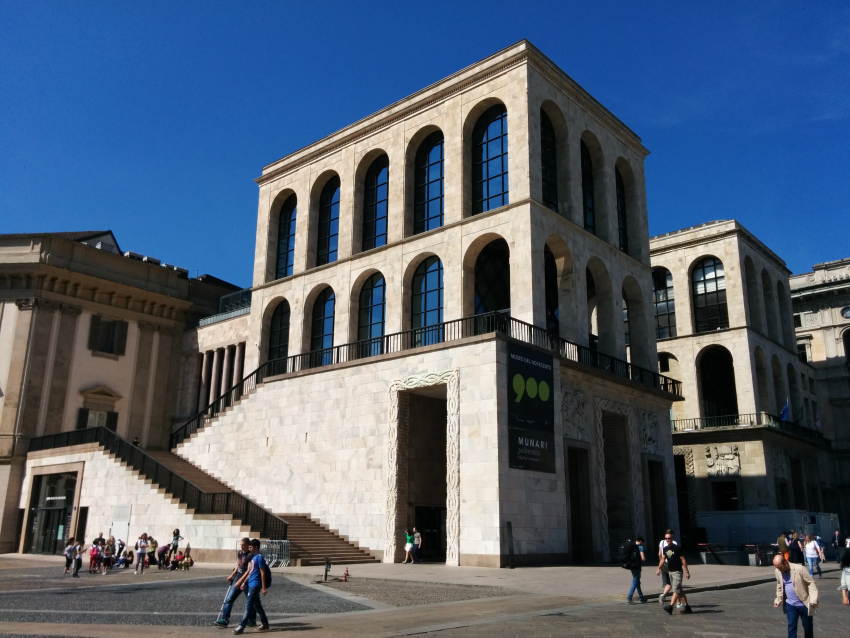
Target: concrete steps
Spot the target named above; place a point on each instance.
(312, 543)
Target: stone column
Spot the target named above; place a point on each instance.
(215, 375)
(204, 391)
(227, 372)
(239, 368)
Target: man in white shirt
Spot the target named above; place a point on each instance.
(665, 573)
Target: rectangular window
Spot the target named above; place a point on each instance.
(803, 351)
(87, 418)
(107, 335)
(798, 320)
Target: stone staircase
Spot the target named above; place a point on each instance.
(311, 543)
(189, 472)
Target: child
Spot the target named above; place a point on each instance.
(94, 558)
(69, 555)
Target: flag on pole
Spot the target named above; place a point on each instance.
(785, 414)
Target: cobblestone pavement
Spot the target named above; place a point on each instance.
(731, 613)
(154, 598)
(402, 594)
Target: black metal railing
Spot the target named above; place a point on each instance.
(747, 420)
(232, 503)
(500, 323)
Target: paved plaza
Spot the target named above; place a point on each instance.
(396, 600)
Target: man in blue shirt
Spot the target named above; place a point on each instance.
(243, 557)
(254, 583)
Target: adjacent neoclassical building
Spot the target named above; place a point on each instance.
(449, 326)
(748, 437)
(821, 302)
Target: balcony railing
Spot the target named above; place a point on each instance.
(232, 503)
(500, 323)
(747, 420)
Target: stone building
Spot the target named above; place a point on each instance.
(821, 303)
(434, 335)
(746, 438)
(88, 337)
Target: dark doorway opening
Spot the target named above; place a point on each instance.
(657, 500)
(578, 487)
(618, 482)
(426, 470)
(717, 383)
(51, 508)
(724, 495)
(682, 500)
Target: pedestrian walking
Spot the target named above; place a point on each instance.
(678, 568)
(665, 574)
(796, 553)
(408, 547)
(69, 552)
(79, 549)
(844, 563)
(634, 556)
(797, 594)
(141, 553)
(417, 546)
(814, 555)
(837, 545)
(255, 581)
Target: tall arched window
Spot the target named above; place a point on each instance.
(279, 332)
(375, 198)
(328, 223)
(716, 372)
(370, 317)
(426, 311)
(622, 213)
(587, 185)
(665, 303)
(322, 329)
(428, 184)
(286, 238)
(490, 160)
(493, 278)
(709, 291)
(548, 161)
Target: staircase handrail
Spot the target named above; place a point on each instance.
(499, 321)
(197, 499)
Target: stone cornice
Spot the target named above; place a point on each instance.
(44, 285)
(389, 115)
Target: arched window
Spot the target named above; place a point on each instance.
(587, 185)
(493, 278)
(622, 213)
(717, 385)
(322, 329)
(709, 291)
(548, 161)
(665, 304)
(553, 313)
(279, 332)
(370, 317)
(328, 223)
(286, 238)
(490, 160)
(426, 311)
(428, 184)
(375, 198)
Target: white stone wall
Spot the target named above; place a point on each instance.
(106, 482)
(317, 444)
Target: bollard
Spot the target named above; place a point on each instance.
(327, 568)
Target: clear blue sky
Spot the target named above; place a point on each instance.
(153, 118)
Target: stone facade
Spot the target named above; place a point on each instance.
(88, 336)
(751, 409)
(821, 301)
(340, 434)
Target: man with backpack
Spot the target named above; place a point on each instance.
(243, 557)
(632, 557)
(255, 581)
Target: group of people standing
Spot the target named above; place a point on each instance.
(108, 553)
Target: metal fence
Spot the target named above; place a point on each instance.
(276, 553)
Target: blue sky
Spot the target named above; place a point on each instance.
(153, 118)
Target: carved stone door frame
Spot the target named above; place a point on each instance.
(398, 425)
